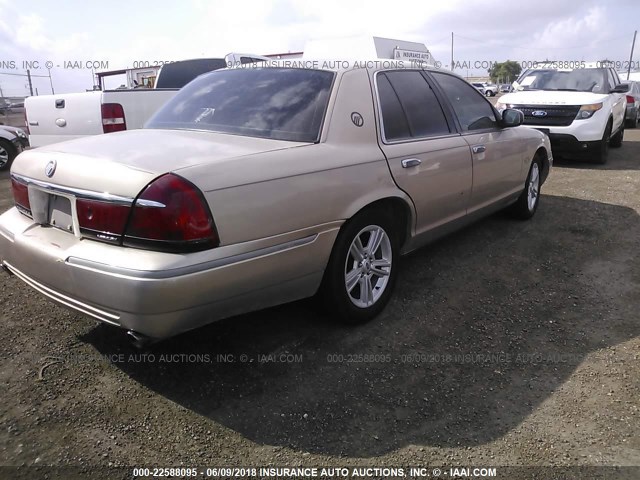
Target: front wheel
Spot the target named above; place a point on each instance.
(616, 140)
(7, 154)
(527, 203)
(362, 268)
(602, 155)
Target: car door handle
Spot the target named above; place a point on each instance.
(479, 149)
(410, 162)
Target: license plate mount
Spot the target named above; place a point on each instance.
(60, 214)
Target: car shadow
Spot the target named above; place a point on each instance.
(483, 327)
(623, 158)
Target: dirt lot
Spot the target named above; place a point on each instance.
(508, 343)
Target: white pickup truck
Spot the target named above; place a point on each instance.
(56, 118)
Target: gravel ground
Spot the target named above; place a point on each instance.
(508, 343)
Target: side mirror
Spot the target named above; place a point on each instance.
(512, 117)
(621, 88)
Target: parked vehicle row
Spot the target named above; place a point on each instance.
(633, 105)
(167, 228)
(12, 142)
(8, 107)
(56, 118)
(486, 89)
(582, 110)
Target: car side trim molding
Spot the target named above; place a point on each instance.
(189, 269)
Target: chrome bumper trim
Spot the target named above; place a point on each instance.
(102, 315)
(76, 192)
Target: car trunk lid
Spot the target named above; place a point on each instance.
(124, 163)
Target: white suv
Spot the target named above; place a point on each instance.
(581, 109)
(486, 89)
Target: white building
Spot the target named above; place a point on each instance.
(361, 48)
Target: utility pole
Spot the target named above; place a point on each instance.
(633, 44)
(452, 51)
(30, 84)
(51, 83)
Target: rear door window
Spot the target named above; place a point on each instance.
(409, 106)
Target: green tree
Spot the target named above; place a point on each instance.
(505, 71)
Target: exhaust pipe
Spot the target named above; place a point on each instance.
(139, 340)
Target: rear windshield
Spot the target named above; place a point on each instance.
(278, 103)
(178, 74)
(581, 80)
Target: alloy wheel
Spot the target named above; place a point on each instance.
(534, 187)
(368, 266)
(4, 157)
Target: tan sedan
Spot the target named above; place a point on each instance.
(258, 186)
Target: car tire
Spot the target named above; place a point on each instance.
(351, 290)
(527, 204)
(489, 93)
(602, 155)
(633, 123)
(616, 140)
(7, 154)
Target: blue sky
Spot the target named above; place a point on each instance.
(122, 32)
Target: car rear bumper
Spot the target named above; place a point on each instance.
(171, 295)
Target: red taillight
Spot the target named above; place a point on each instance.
(630, 99)
(21, 195)
(171, 214)
(103, 220)
(113, 118)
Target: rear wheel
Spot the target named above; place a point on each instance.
(362, 269)
(7, 154)
(633, 123)
(527, 203)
